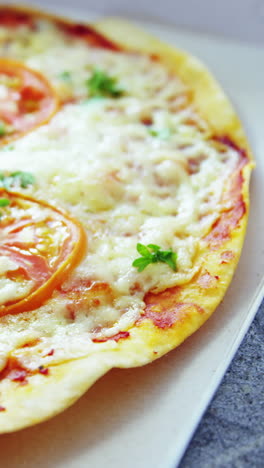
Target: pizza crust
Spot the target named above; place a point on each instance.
(172, 315)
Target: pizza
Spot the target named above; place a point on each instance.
(124, 200)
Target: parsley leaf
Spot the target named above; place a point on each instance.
(152, 253)
(23, 179)
(2, 129)
(101, 84)
(163, 134)
(4, 202)
(143, 250)
(141, 263)
(65, 76)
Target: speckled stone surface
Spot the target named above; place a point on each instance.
(231, 433)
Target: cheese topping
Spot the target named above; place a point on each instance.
(140, 167)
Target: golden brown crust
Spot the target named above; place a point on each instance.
(175, 314)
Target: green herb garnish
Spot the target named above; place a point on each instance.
(163, 134)
(65, 76)
(101, 84)
(152, 253)
(4, 202)
(24, 179)
(2, 129)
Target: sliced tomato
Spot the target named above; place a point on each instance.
(27, 100)
(39, 246)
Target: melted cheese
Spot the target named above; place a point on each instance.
(11, 290)
(100, 161)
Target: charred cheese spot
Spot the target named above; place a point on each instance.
(227, 256)
(164, 310)
(119, 336)
(165, 318)
(206, 280)
(15, 372)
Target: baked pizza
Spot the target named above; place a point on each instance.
(124, 178)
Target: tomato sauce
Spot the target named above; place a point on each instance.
(118, 336)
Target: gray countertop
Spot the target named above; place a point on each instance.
(231, 433)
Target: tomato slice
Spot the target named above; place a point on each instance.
(39, 246)
(27, 100)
